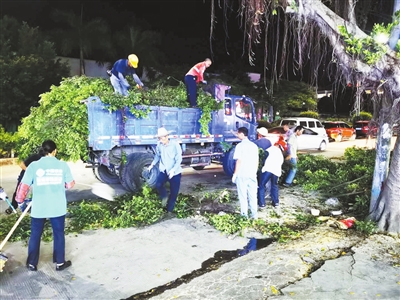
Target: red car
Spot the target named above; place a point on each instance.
(339, 131)
(363, 128)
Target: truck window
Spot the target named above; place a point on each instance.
(228, 107)
(243, 110)
(319, 125)
(303, 123)
(311, 124)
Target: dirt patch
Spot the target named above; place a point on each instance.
(8, 161)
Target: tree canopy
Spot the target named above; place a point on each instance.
(28, 67)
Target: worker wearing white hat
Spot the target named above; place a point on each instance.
(263, 142)
(169, 156)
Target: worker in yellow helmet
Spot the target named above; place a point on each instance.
(120, 70)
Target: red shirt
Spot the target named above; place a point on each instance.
(198, 70)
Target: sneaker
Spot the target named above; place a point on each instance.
(262, 207)
(31, 267)
(169, 215)
(286, 184)
(65, 265)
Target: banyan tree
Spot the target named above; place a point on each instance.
(335, 36)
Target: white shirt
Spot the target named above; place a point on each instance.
(274, 161)
(247, 152)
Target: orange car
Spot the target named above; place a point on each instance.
(339, 131)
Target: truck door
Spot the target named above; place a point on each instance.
(245, 115)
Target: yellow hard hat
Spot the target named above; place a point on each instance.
(134, 60)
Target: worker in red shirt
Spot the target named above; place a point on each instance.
(194, 76)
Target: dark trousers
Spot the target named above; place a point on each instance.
(264, 178)
(174, 184)
(191, 89)
(37, 225)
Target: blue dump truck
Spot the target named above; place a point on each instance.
(122, 146)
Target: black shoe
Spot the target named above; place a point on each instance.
(169, 215)
(31, 267)
(285, 185)
(65, 265)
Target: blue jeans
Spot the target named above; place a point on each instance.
(191, 89)
(119, 86)
(37, 225)
(174, 184)
(247, 194)
(264, 178)
(292, 171)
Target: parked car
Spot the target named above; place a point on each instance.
(363, 128)
(338, 131)
(311, 123)
(307, 141)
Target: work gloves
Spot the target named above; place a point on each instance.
(204, 82)
(234, 178)
(171, 174)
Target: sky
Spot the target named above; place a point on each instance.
(162, 14)
(185, 24)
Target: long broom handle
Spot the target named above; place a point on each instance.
(16, 225)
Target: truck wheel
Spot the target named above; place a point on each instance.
(106, 175)
(123, 177)
(126, 174)
(140, 174)
(228, 162)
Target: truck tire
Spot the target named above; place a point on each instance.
(228, 162)
(140, 174)
(126, 173)
(123, 177)
(106, 175)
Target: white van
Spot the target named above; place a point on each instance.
(311, 123)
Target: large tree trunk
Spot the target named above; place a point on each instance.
(81, 62)
(383, 145)
(387, 208)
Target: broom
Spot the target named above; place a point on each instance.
(3, 257)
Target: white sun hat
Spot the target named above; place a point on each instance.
(263, 131)
(162, 132)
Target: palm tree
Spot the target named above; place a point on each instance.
(145, 43)
(85, 37)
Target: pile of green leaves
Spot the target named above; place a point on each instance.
(144, 209)
(350, 180)
(62, 117)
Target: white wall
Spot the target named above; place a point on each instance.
(92, 69)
